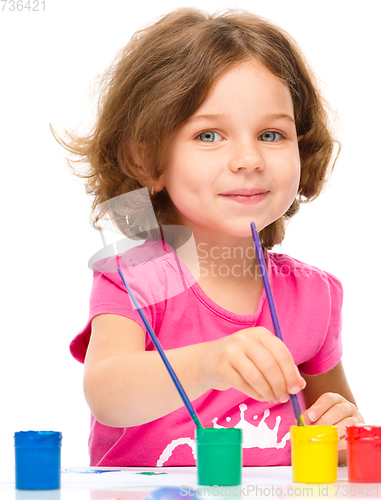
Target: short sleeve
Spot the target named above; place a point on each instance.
(331, 349)
(107, 297)
(154, 274)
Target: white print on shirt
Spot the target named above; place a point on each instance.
(260, 436)
(167, 453)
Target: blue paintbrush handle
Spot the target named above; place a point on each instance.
(296, 408)
(274, 317)
(176, 381)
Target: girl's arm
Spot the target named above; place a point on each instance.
(329, 401)
(125, 385)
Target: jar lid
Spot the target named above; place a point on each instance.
(210, 435)
(38, 438)
(363, 431)
(314, 433)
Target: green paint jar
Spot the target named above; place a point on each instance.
(219, 456)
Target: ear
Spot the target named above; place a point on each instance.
(155, 186)
(136, 154)
(134, 161)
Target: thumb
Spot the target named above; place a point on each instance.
(310, 416)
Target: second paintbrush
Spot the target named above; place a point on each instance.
(274, 317)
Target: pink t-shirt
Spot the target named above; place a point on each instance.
(308, 303)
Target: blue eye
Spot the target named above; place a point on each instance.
(269, 136)
(209, 137)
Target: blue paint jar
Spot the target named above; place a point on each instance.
(38, 460)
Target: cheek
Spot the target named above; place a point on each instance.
(287, 176)
(292, 173)
(297, 177)
(180, 185)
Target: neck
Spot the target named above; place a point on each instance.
(231, 259)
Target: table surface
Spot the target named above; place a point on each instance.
(100, 483)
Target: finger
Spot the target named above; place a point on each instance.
(342, 444)
(239, 383)
(266, 376)
(254, 378)
(336, 414)
(342, 426)
(228, 377)
(321, 406)
(293, 380)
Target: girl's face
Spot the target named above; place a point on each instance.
(236, 160)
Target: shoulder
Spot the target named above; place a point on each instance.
(296, 274)
(123, 254)
(284, 265)
(153, 270)
(137, 257)
(309, 302)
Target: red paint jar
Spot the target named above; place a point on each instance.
(364, 453)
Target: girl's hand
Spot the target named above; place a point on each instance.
(333, 409)
(255, 362)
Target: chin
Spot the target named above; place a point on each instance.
(241, 232)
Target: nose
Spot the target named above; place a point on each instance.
(247, 155)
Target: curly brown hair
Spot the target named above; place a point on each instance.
(160, 79)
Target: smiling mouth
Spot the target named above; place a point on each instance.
(246, 198)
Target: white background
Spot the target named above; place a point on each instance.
(48, 61)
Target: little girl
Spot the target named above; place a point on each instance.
(220, 118)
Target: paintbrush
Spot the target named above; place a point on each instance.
(262, 265)
(176, 381)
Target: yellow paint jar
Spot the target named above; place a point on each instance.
(314, 453)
